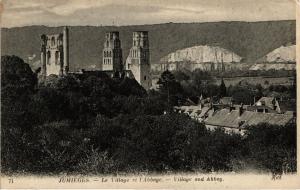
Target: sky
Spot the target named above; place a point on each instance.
(16, 13)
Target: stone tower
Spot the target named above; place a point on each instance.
(55, 53)
(112, 53)
(138, 60)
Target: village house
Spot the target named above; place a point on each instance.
(236, 121)
(272, 105)
(234, 117)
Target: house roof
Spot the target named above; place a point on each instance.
(266, 101)
(232, 119)
(195, 111)
(254, 108)
(226, 100)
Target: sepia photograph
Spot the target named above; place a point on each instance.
(148, 93)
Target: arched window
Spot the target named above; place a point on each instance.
(48, 57)
(145, 78)
(56, 57)
(52, 41)
(107, 43)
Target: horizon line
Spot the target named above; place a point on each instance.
(54, 26)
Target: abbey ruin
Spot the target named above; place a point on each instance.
(55, 53)
(112, 53)
(138, 60)
(55, 57)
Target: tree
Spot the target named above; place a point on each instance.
(169, 87)
(16, 75)
(181, 76)
(272, 147)
(222, 92)
(18, 83)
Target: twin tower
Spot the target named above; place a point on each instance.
(55, 56)
(138, 61)
(55, 53)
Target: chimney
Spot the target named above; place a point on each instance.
(210, 104)
(231, 107)
(241, 109)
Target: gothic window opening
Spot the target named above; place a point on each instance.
(48, 57)
(53, 41)
(56, 57)
(145, 78)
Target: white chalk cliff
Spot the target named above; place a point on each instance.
(282, 58)
(281, 55)
(202, 54)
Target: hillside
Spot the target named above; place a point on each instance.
(250, 40)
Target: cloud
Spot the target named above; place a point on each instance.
(131, 12)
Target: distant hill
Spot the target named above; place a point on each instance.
(250, 40)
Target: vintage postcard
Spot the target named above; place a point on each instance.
(149, 94)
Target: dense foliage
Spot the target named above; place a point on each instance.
(92, 124)
(198, 82)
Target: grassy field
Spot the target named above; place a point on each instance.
(264, 81)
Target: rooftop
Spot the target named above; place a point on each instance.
(266, 101)
(233, 119)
